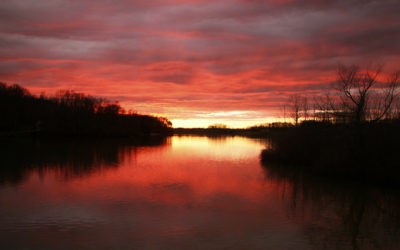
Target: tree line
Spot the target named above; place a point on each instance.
(358, 96)
(71, 113)
(350, 132)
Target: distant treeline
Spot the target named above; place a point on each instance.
(259, 131)
(71, 113)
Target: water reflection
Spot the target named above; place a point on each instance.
(69, 158)
(338, 215)
(179, 193)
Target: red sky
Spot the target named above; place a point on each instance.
(196, 62)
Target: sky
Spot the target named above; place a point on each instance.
(196, 62)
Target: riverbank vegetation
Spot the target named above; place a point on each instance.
(69, 113)
(367, 152)
(353, 132)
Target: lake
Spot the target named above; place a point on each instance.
(181, 192)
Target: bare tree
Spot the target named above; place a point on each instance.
(396, 109)
(360, 96)
(324, 108)
(294, 104)
(305, 107)
(298, 108)
(355, 86)
(382, 100)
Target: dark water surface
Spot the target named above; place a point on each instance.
(180, 193)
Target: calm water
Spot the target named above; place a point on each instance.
(180, 193)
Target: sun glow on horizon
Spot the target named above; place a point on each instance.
(232, 118)
(230, 123)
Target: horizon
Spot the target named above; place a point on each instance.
(196, 63)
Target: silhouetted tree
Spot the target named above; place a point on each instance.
(218, 126)
(294, 105)
(305, 107)
(71, 113)
(360, 96)
(298, 108)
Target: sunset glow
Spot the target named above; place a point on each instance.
(196, 62)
